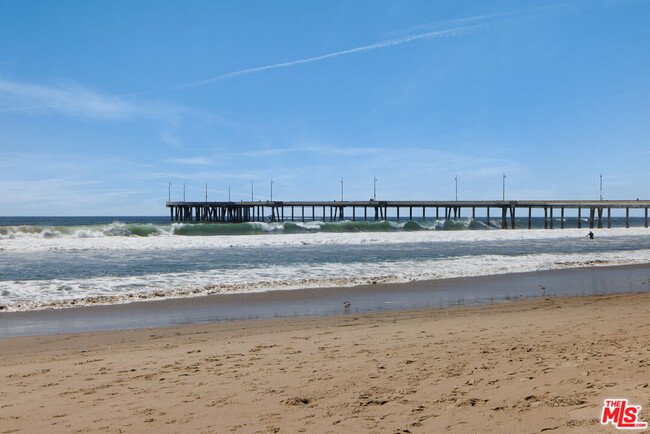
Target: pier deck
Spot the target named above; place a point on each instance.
(375, 210)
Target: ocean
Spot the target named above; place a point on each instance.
(55, 262)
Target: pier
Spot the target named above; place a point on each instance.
(377, 210)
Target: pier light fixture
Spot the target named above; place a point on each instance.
(271, 189)
(184, 192)
(341, 189)
(374, 188)
(252, 182)
(504, 187)
(601, 186)
(456, 179)
(169, 192)
(206, 191)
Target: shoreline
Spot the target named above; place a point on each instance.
(442, 293)
(537, 364)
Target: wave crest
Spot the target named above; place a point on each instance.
(120, 229)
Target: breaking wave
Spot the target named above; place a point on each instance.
(60, 293)
(118, 229)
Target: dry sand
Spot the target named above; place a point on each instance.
(524, 366)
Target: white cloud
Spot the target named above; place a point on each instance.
(192, 161)
(82, 102)
(170, 138)
(67, 99)
(54, 184)
(327, 150)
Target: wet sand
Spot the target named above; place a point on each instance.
(524, 366)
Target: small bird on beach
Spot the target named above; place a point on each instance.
(347, 304)
(543, 288)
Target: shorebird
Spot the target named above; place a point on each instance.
(347, 304)
(543, 288)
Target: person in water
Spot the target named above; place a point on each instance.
(590, 235)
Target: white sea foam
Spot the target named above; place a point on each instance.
(38, 294)
(93, 241)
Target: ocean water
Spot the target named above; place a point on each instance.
(52, 262)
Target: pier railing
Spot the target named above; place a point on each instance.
(375, 210)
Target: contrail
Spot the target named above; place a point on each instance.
(383, 44)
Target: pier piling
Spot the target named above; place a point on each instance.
(609, 218)
(600, 218)
(550, 219)
(579, 218)
(545, 218)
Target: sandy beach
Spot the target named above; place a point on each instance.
(324, 217)
(523, 366)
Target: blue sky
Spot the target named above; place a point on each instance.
(103, 103)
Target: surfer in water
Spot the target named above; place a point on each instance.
(590, 235)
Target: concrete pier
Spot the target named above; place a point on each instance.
(237, 212)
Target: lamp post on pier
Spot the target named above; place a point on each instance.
(271, 189)
(504, 187)
(456, 179)
(374, 188)
(601, 186)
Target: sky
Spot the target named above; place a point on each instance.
(103, 104)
